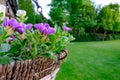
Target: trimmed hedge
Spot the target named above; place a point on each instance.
(96, 37)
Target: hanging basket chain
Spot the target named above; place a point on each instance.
(14, 7)
(39, 9)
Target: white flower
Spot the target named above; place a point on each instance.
(21, 13)
(2, 10)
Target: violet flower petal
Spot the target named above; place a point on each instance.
(12, 37)
(46, 25)
(65, 28)
(45, 29)
(28, 48)
(28, 26)
(51, 31)
(20, 28)
(5, 22)
(13, 23)
(38, 25)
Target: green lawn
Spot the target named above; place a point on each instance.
(92, 61)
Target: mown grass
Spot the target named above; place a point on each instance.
(91, 61)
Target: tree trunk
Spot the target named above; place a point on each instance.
(104, 36)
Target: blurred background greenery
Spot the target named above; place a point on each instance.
(88, 21)
(86, 60)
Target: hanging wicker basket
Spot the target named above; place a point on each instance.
(35, 69)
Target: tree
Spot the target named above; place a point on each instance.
(109, 17)
(81, 15)
(116, 16)
(78, 12)
(58, 12)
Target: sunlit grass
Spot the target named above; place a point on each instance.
(92, 61)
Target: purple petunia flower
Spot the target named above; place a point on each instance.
(11, 38)
(65, 28)
(28, 26)
(16, 26)
(44, 28)
(12, 23)
(5, 23)
(28, 48)
(21, 27)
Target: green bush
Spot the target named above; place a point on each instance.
(96, 37)
(116, 36)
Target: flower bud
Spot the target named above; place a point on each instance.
(21, 13)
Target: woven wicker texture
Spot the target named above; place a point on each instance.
(34, 69)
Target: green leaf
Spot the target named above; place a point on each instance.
(2, 53)
(25, 18)
(52, 56)
(1, 31)
(5, 60)
(59, 47)
(52, 38)
(18, 18)
(4, 47)
(14, 49)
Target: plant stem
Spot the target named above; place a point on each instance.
(35, 48)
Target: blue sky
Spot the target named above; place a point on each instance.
(46, 9)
